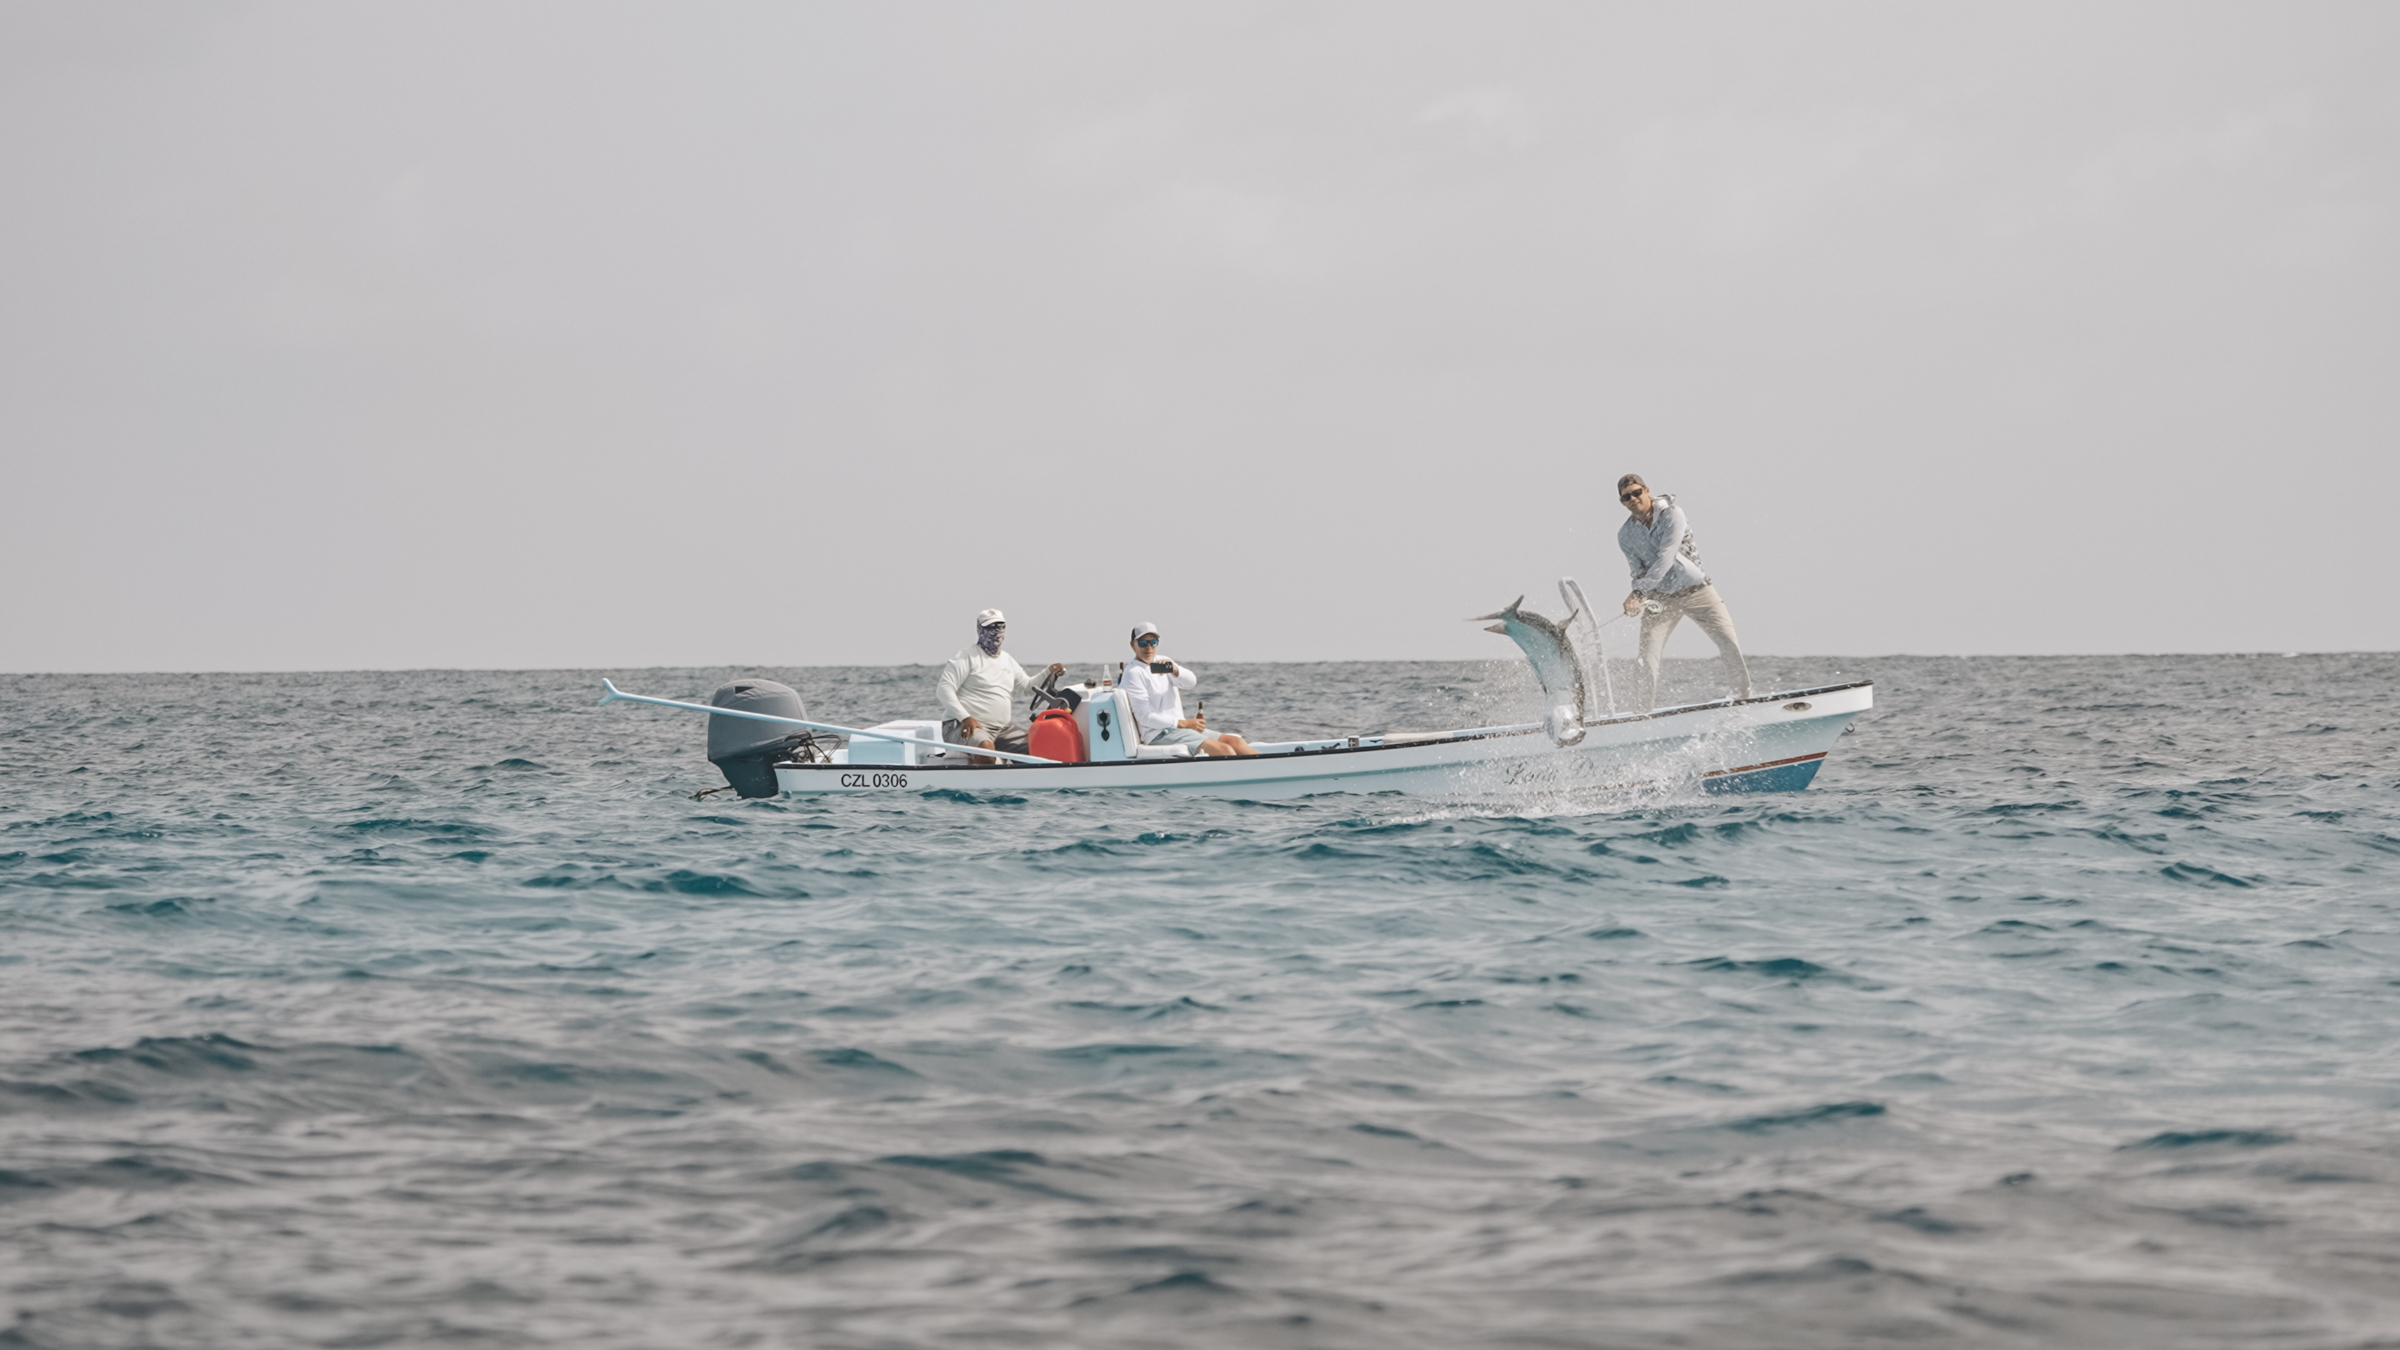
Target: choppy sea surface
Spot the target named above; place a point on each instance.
(372, 1009)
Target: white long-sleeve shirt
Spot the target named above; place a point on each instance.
(1661, 554)
(982, 687)
(1157, 699)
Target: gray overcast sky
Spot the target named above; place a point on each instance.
(485, 334)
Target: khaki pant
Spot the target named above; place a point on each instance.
(1702, 606)
(1010, 738)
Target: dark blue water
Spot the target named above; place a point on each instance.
(407, 1009)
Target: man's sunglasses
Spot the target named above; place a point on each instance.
(1145, 642)
(1634, 495)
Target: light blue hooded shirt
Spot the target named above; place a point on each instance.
(1661, 553)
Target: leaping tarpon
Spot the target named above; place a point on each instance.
(1555, 663)
(1558, 662)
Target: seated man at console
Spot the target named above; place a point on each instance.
(1154, 686)
(979, 689)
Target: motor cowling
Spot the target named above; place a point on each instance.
(746, 751)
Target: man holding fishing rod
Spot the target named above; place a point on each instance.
(1669, 587)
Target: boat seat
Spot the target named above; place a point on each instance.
(1162, 752)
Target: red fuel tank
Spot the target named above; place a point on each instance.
(1054, 735)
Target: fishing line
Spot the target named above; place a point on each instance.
(1608, 680)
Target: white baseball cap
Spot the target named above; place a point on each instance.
(1143, 629)
(989, 617)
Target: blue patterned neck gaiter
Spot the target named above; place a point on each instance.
(988, 637)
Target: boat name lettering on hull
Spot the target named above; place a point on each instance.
(874, 780)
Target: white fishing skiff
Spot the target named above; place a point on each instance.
(1771, 743)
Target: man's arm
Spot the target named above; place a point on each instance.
(1142, 696)
(1672, 548)
(945, 690)
(1027, 685)
(1634, 567)
(1187, 678)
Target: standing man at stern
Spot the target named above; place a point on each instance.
(979, 689)
(1669, 587)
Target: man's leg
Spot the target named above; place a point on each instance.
(981, 736)
(1012, 738)
(1656, 628)
(1707, 609)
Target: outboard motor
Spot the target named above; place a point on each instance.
(748, 751)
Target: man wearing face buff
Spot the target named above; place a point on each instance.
(979, 689)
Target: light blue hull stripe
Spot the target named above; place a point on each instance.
(1772, 778)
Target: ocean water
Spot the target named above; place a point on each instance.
(409, 1009)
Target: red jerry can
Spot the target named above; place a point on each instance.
(1054, 735)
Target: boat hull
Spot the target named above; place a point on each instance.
(1774, 743)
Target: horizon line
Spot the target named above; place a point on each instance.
(1321, 661)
